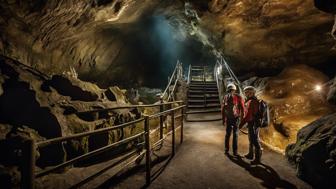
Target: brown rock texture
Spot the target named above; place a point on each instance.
(90, 37)
(266, 35)
(314, 152)
(48, 107)
(294, 102)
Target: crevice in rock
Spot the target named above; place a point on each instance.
(64, 87)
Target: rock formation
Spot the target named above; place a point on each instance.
(103, 39)
(294, 102)
(314, 152)
(267, 35)
(33, 105)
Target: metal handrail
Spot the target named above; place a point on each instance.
(165, 112)
(173, 90)
(129, 107)
(84, 134)
(216, 74)
(173, 75)
(87, 155)
(28, 171)
(189, 70)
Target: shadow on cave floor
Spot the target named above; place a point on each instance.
(270, 178)
(160, 160)
(200, 162)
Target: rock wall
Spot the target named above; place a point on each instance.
(314, 152)
(33, 105)
(101, 40)
(294, 102)
(267, 35)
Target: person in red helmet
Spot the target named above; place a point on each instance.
(232, 113)
(253, 124)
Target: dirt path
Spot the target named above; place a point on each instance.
(201, 163)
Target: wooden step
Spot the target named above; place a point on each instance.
(210, 105)
(204, 88)
(199, 101)
(198, 66)
(197, 69)
(213, 110)
(202, 82)
(202, 92)
(208, 96)
(210, 85)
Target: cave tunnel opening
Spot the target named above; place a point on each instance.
(151, 48)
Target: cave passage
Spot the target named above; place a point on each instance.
(150, 50)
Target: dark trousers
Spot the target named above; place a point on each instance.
(231, 126)
(253, 136)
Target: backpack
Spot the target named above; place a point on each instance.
(231, 104)
(264, 114)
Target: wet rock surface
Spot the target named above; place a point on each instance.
(269, 35)
(294, 102)
(314, 152)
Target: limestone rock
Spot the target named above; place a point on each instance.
(115, 94)
(75, 89)
(293, 102)
(268, 35)
(332, 92)
(314, 152)
(40, 106)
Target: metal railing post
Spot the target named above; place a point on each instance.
(161, 119)
(189, 70)
(28, 164)
(182, 117)
(173, 132)
(147, 146)
(204, 88)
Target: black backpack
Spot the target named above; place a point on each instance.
(264, 114)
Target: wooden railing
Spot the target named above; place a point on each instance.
(29, 148)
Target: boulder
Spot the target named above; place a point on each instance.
(314, 152)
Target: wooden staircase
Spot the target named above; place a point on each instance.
(203, 99)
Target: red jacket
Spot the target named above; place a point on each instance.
(252, 108)
(238, 109)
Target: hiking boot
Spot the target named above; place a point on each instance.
(226, 152)
(236, 154)
(249, 155)
(257, 158)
